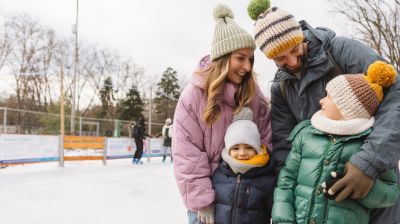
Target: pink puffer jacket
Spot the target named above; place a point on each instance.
(196, 147)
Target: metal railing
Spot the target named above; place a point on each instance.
(16, 121)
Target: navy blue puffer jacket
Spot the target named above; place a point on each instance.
(242, 199)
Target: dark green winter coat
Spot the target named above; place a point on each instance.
(298, 197)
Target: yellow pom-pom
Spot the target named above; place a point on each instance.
(381, 73)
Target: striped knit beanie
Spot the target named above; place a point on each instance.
(358, 96)
(275, 30)
(228, 35)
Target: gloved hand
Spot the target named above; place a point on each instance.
(355, 183)
(206, 215)
(328, 184)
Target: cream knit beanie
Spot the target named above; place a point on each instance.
(228, 35)
(243, 131)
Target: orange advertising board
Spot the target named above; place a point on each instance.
(83, 142)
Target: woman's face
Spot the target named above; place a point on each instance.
(240, 64)
(329, 109)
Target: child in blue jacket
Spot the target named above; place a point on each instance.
(245, 179)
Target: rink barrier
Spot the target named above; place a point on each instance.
(20, 149)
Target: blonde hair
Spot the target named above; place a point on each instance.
(216, 78)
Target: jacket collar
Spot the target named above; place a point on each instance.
(311, 129)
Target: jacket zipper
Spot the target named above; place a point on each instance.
(235, 198)
(332, 138)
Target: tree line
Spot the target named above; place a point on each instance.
(108, 85)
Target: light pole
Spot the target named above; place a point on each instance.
(61, 146)
(75, 31)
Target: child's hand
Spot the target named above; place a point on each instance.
(328, 184)
(206, 215)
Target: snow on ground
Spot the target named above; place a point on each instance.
(86, 192)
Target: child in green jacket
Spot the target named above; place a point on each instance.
(323, 145)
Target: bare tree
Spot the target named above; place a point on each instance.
(96, 66)
(30, 61)
(5, 44)
(377, 23)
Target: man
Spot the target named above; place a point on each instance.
(138, 133)
(307, 59)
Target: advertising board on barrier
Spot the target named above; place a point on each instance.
(153, 146)
(83, 142)
(16, 148)
(120, 148)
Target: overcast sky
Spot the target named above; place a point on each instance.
(157, 34)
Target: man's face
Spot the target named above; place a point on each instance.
(291, 59)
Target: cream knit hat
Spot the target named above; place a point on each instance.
(275, 30)
(243, 131)
(228, 35)
(358, 96)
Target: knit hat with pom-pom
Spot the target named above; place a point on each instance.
(358, 96)
(243, 131)
(275, 30)
(228, 35)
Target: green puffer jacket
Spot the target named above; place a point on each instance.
(298, 197)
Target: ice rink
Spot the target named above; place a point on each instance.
(87, 192)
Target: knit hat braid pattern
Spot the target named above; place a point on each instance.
(228, 35)
(358, 96)
(243, 131)
(275, 30)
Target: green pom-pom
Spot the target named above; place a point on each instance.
(256, 7)
(222, 11)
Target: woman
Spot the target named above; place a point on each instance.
(218, 90)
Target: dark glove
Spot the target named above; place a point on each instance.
(329, 183)
(355, 184)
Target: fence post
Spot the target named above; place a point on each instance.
(80, 126)
(148, 149)
(5, 121)
(61, 150)
(105, 151)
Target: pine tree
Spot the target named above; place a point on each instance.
(106, 97)
(131, 107)
(167, 94)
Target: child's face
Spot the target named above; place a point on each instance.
(242, 152)
(329, 109)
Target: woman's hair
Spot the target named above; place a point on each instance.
(217, 74)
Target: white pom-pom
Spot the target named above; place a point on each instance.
(244, 114)
(222, 11)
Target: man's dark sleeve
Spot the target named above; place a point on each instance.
(282, 122)
(381, 150)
